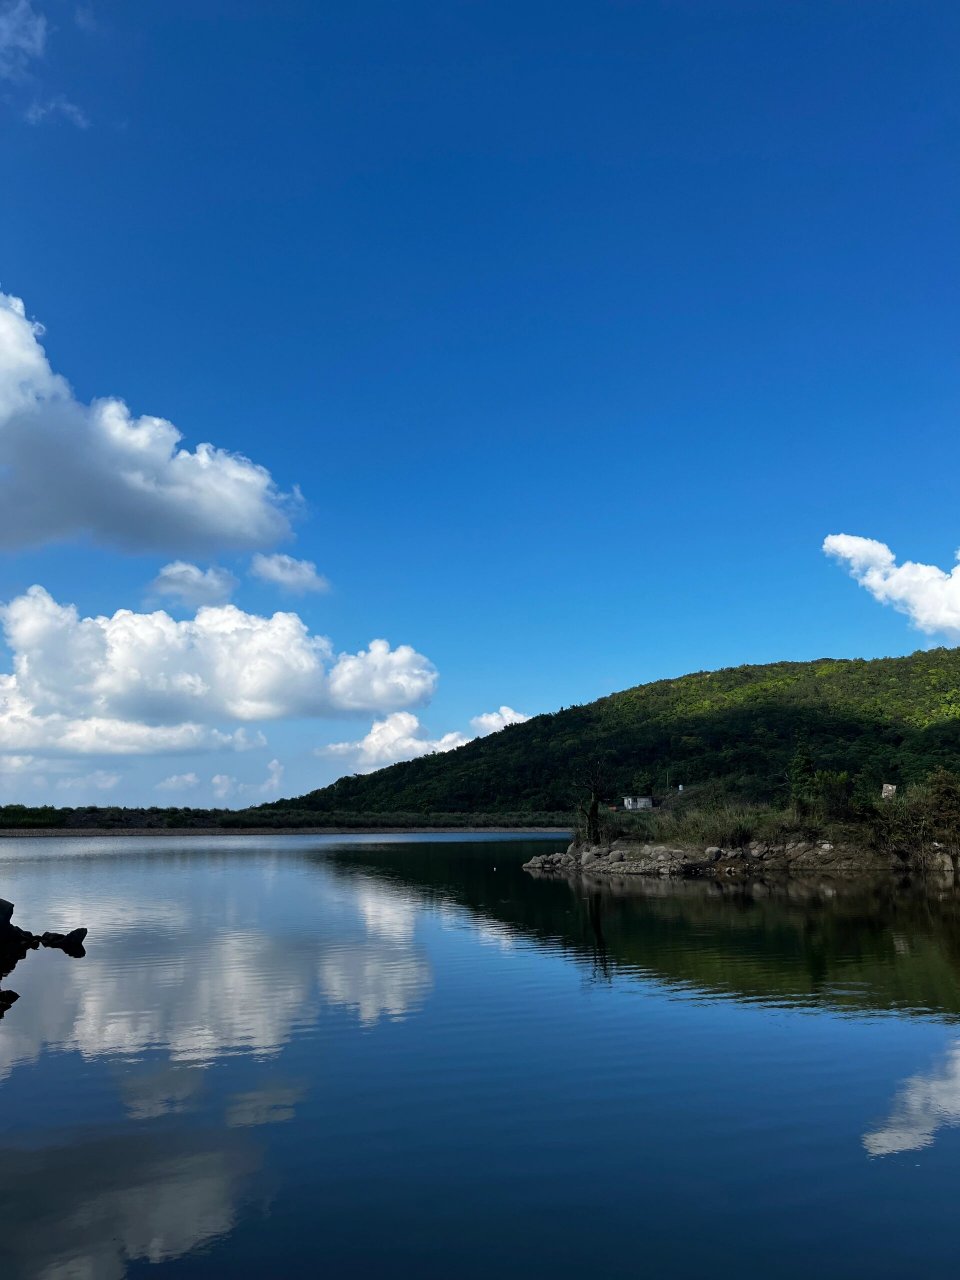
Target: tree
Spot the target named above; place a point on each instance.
(591, 783)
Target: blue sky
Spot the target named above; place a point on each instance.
(578, 326)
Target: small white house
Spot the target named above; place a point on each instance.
(637, 802)
(889, 791)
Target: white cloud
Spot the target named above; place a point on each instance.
(298, 576)
(223, 785)
(929, 596)
(380, 678)
(178, 782)
(99, 780)
(494, 721)
(57, 108)
(143, 682)
(401, 737)
(192, 585)
(70, 469)
(269, 787)
(23, 37)
(398, 737)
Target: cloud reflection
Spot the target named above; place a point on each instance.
(924, 1104)
(159, 978)
(375, 982)
(89, 1208)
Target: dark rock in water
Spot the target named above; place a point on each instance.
(71, 943)
(16, 942)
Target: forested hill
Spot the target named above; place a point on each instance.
(889, 719)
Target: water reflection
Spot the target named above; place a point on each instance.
(274, 1104)
(374, 983)
(88, 1207)
(225, 1069)
(924, 1104)
(155, 981)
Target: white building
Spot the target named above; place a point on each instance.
(638, 802)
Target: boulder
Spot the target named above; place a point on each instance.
(6, 912)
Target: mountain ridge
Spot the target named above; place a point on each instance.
(735, 729)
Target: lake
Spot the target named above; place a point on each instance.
(404, 1056)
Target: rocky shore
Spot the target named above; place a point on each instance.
(630, 858)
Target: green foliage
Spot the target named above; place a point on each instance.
(756, 736)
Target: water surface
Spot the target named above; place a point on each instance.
(402, 1056)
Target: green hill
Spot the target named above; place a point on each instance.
(889, 719)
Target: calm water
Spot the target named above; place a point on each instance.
(404, 1057)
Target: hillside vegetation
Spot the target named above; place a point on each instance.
(802, 743)
(730, 733)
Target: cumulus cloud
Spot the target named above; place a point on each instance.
(223, 785)
(274, 779)
(143, 682)
(69, 469)
(402, 737)
(23, 37)
(381, 678)
(399, 736)
(297, 576)
(178, 782)
(494, 721)
(929, 596)
(193, 586)
(269, 787)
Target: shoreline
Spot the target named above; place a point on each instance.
(74, 833)
(799, 858)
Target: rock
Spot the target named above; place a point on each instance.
(71, 943)
(6, 912)
(714, 852)
(7, 998)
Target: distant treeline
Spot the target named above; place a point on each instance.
(15, 817)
